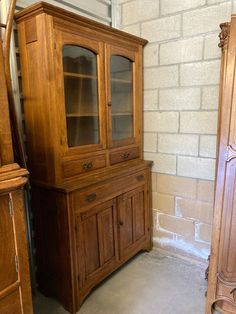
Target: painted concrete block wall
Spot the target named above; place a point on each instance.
(181, 77)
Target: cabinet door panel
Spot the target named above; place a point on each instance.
(132, 219)
(139, 215)
(8, 274)
(106, 235)
(227, 265)
(123, 103)
(126, 222)
(99, 238)
(11, 304)
(81, 62)
(91, 246)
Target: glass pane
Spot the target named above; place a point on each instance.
(121, 98)
(81, 95)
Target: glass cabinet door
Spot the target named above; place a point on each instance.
(121, 96)
(121, 80)
(80, 71)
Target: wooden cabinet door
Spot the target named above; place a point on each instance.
(81, 90)
(132, 220)
(123, 102)
(98, 237)
(10, 298)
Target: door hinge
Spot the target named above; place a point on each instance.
(10, 201)
(17, 263)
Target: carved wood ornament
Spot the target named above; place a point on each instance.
(231, 153)
(224, 35)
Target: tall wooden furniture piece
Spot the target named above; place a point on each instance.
(221, 292)
(15, 291)
(82, 84)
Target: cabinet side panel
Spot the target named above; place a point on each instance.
(38, 78)
(53, 245)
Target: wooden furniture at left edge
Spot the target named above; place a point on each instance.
(15, 291)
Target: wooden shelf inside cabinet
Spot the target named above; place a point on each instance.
(121, 114)
(117, 80)
(81, 115)
(80, 75)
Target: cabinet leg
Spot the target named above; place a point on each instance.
(148, 247)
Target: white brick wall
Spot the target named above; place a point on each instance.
(161, 122)
(150, 99)
(196, 167)
(178, 144)
(206, 19)
(181, 51)
(208, 146)
(172, 6)
(211, 49)
(210, 97)
(151, 54)
(200, 73)
(161, 29)
(201, 122)
(180, 99)
(181, 77)
(157, 77)
(133, 11)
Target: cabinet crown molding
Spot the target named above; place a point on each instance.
(43, 7)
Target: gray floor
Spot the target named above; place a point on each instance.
(151, 283)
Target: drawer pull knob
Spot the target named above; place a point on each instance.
(87, 165)
(140, 177)
(125, 155)
(91, 197)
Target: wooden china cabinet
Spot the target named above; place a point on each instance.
(82, 84)
(221, 294)
(15, 290)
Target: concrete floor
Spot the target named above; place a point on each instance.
(151, 283)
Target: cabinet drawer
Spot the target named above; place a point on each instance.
(108, 190)
(124, 155)
(74, 167)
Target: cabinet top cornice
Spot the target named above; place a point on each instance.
(43, 7)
